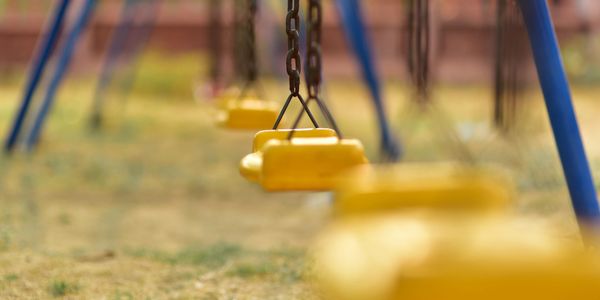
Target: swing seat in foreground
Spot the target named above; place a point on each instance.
(310, 161)
(426, 246)
(248, 114)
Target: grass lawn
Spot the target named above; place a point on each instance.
(153, 206)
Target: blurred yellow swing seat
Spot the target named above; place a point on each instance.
(248, 113)
(376, 189)
(226, 96)
(420, 257)
(442, 233)
(310, 161)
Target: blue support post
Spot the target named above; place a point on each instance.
(61, 68)
(555, 87)
(45, 51)
(139, 43)
(350, 14)
(118, 41)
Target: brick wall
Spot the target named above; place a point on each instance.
(463, 45)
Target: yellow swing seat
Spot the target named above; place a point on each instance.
(248, 114)
(302, 164)
(225, 97)
(425, 232)
(376, 189)
(250, 166)
(430, 257)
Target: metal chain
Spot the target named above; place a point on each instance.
(293, 62)
(215, 40)
(313, 55)
(314, 63)
(239, 64)
(508, 59)
(251, 58)
(419, 48)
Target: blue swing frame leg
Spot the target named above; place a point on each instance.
(561, 112)
(356, 34)
(37, 71)
(61, 68)
(140, 41)
(117, 44)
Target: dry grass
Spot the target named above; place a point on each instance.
(153, 207)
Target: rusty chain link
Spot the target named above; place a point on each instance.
(251, 58)
(419, 48)
(293, 62)
(314, 63)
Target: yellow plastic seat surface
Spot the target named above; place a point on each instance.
(250, 114)
(308, 163)
(302, 164)
(373, 189)
(416, 257)
(251, 165)
(262, 137)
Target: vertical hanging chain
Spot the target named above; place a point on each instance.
(508, 59)
(418, 41)
(499, 59)
(313, 55)
(215, 40)
(250, 34)
(314, 72)
(293, 62)
(239, 64)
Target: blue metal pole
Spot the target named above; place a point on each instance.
(139, 42)
(350, 14)
(46, 48)
(61, 68)
(117, 44)
(555, 87)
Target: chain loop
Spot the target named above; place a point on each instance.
(293, 60)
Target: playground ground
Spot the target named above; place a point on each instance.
(153, 207)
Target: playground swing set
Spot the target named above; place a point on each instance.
(312, 159)
(399, 231)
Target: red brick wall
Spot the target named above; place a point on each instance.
(463, 39)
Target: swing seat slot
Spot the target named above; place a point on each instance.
(302, 164)
(449, 187)
(248, 114)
